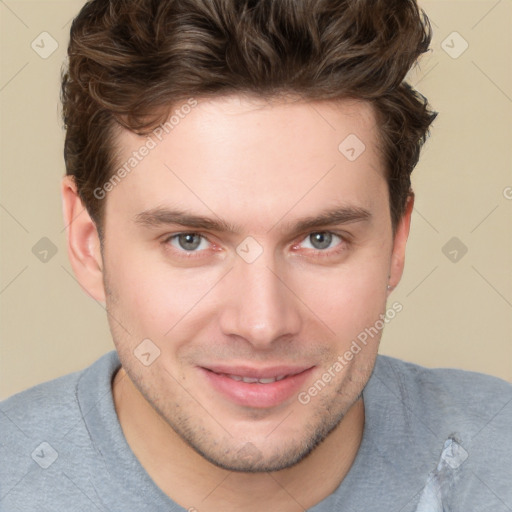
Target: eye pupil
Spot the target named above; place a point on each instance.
(320, 240)
(189, 241)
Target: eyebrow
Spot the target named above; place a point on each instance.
(157, 217)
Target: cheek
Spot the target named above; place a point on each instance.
(350, 298)
(151, 296)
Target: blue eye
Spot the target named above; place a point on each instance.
(321, 240)
(189, 242)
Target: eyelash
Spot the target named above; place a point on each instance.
(317, 253)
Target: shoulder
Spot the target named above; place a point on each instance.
(42, 423)
(49, 403)
(464, 417)
(31, 413)
(448, 385)
(463, 401)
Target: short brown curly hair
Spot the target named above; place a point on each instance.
(131, 61)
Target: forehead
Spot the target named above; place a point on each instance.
(256, 157)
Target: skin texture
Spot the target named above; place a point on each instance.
(264, 167)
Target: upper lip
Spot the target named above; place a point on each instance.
(258, 373)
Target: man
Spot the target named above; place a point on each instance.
(238, 196)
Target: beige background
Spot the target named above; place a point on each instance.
(456, 314)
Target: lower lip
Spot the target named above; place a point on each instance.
(257, 394)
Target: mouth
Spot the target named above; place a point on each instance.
(256, 388)
(253, 380)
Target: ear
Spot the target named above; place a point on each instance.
(83, 241)
(399, 244)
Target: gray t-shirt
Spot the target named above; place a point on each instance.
(434, 441)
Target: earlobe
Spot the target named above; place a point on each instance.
(83, 241)
(399, 244)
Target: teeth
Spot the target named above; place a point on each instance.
(249, 380)
(252, 380)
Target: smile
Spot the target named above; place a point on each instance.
(255, 388)
(253, 380)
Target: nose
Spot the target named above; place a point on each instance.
(261, 306)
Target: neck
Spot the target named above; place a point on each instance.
(196, 484)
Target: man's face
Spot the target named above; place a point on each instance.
(260, 289)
